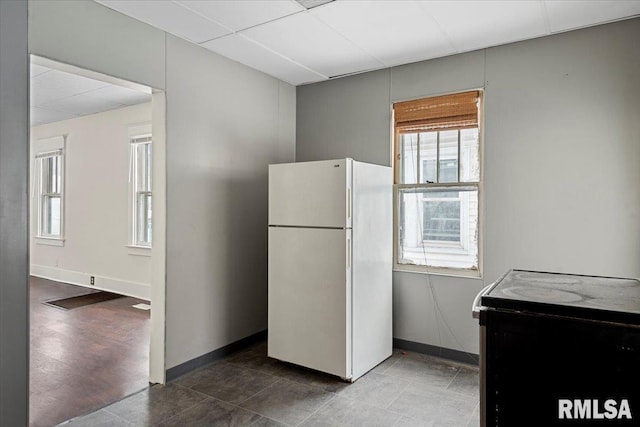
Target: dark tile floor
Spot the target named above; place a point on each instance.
(248, 388)
(85, 358)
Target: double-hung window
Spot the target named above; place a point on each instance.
(141, 190)
(49, 181)
(438, 179)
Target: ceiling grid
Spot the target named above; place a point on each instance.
(299, 44)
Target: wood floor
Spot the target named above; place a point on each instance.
(85, 358)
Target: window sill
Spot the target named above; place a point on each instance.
(139, 250)
(434, 271)
(49, 241)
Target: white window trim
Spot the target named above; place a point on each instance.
(43, 146)
(139, 250)
(443, 271)
(135, 131)
(49, 241)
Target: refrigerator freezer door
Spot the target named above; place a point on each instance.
(310, 194)
(310, 298)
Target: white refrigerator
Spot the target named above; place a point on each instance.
(330, 263)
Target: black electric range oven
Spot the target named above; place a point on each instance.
(559, 350)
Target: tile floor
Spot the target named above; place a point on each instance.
(248, 388)
(85, 358)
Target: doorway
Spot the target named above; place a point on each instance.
(97, 239)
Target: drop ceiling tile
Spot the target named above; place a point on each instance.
(58, 84)
(37, 70)
(120, 95)
(309, 42)
(568, 15)
(44, 115)
(392, 31)
(241, 14)
(81, 105)
(247, 52)
(170, 17)
(474, 25)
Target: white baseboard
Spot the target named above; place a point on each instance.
(124, 287)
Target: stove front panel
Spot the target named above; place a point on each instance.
(535, 366)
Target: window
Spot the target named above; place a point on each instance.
(437, 177)
(49, 181)
(141, 190)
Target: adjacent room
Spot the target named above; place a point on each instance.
(341, 213)
(91, 240)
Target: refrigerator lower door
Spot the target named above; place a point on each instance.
(310, 298)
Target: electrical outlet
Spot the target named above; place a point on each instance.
(93, 280)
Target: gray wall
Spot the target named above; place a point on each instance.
(561, 160)
(225, 123)
(91, 36)
(14, 173)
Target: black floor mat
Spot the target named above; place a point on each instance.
(83, 300)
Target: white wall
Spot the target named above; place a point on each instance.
(561, 161)
(217, 159)
(97, 209)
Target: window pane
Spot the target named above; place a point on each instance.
(409, 158)
(142, 152)
(143, 166)
(51, 175)
(46, 165)
(147, 220)
(148, 171)
(438, 227)
(51, 216)
(441, 216)
(143, 219)
(449, 156)
(469, 155)
(428, 156)
(55, 174)
(140, 167)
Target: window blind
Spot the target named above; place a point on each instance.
(455, 111)
(49, 154)
(141, 139)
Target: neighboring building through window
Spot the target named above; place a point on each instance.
(141, 190)
(49, 182)
(437, 176)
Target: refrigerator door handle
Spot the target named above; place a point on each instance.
(348, 204)
(348, 252)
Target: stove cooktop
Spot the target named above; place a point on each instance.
(590, 297)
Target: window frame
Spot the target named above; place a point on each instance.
(477, 186)
(46, 149)
(138, 135)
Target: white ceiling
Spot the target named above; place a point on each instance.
(287, 41)
(57, 95)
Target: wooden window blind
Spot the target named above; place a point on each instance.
(455, 111)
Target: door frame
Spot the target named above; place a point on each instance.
(157, 348)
